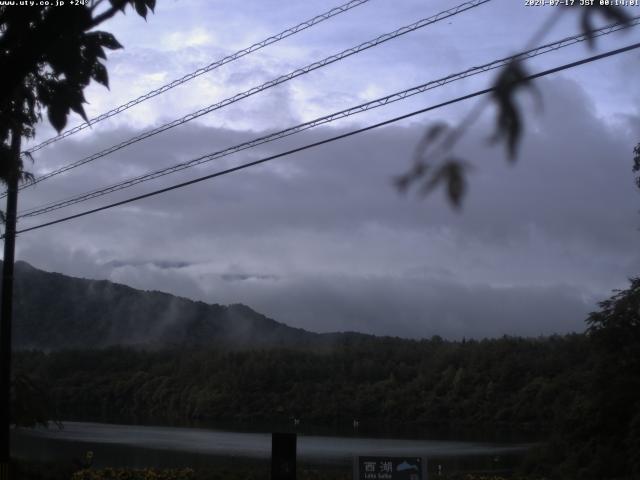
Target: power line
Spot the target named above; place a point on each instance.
(402, 95)
(272, 83)
(328, 140)
(212, 66)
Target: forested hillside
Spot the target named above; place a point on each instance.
(510, 381)
(560, 389)
(54, 311)
(214, 363)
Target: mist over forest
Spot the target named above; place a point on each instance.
(232, 365)
(405, 239)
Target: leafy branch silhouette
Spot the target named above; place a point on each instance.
(48, 56)
(436, 164)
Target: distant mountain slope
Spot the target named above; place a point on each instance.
(54, 311)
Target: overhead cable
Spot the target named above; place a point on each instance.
(379, 102)
(272, 83)
(328, 140)
(208, 68)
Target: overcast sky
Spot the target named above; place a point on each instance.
(322, 240)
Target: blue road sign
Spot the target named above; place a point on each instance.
(389, 468)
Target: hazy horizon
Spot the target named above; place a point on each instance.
(322, 240)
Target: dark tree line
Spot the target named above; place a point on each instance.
(511, 381)
(581, 392)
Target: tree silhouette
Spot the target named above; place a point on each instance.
(48, 56)
(613, 432)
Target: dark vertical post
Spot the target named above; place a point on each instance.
(283, 456)
(6, 307)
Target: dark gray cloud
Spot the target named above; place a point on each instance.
(323, 241)
(421, 307)
(163, 264)
(243, 277)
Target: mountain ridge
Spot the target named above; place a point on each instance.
(56, 311)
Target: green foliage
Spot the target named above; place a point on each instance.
(615, 328)
(583, 400)
(133, 474)
(48, 56)
(581, 390)
(608, 12)
(436, 164)
(234, 471)
(241, 474)
(451, 171)
(598, 434)
(36, 470)
(381, 381)
(30, 405)
(510, 81)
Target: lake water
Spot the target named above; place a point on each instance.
(152, 446)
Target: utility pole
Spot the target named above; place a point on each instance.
(6, 307)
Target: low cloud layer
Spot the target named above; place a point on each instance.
(323, 241)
